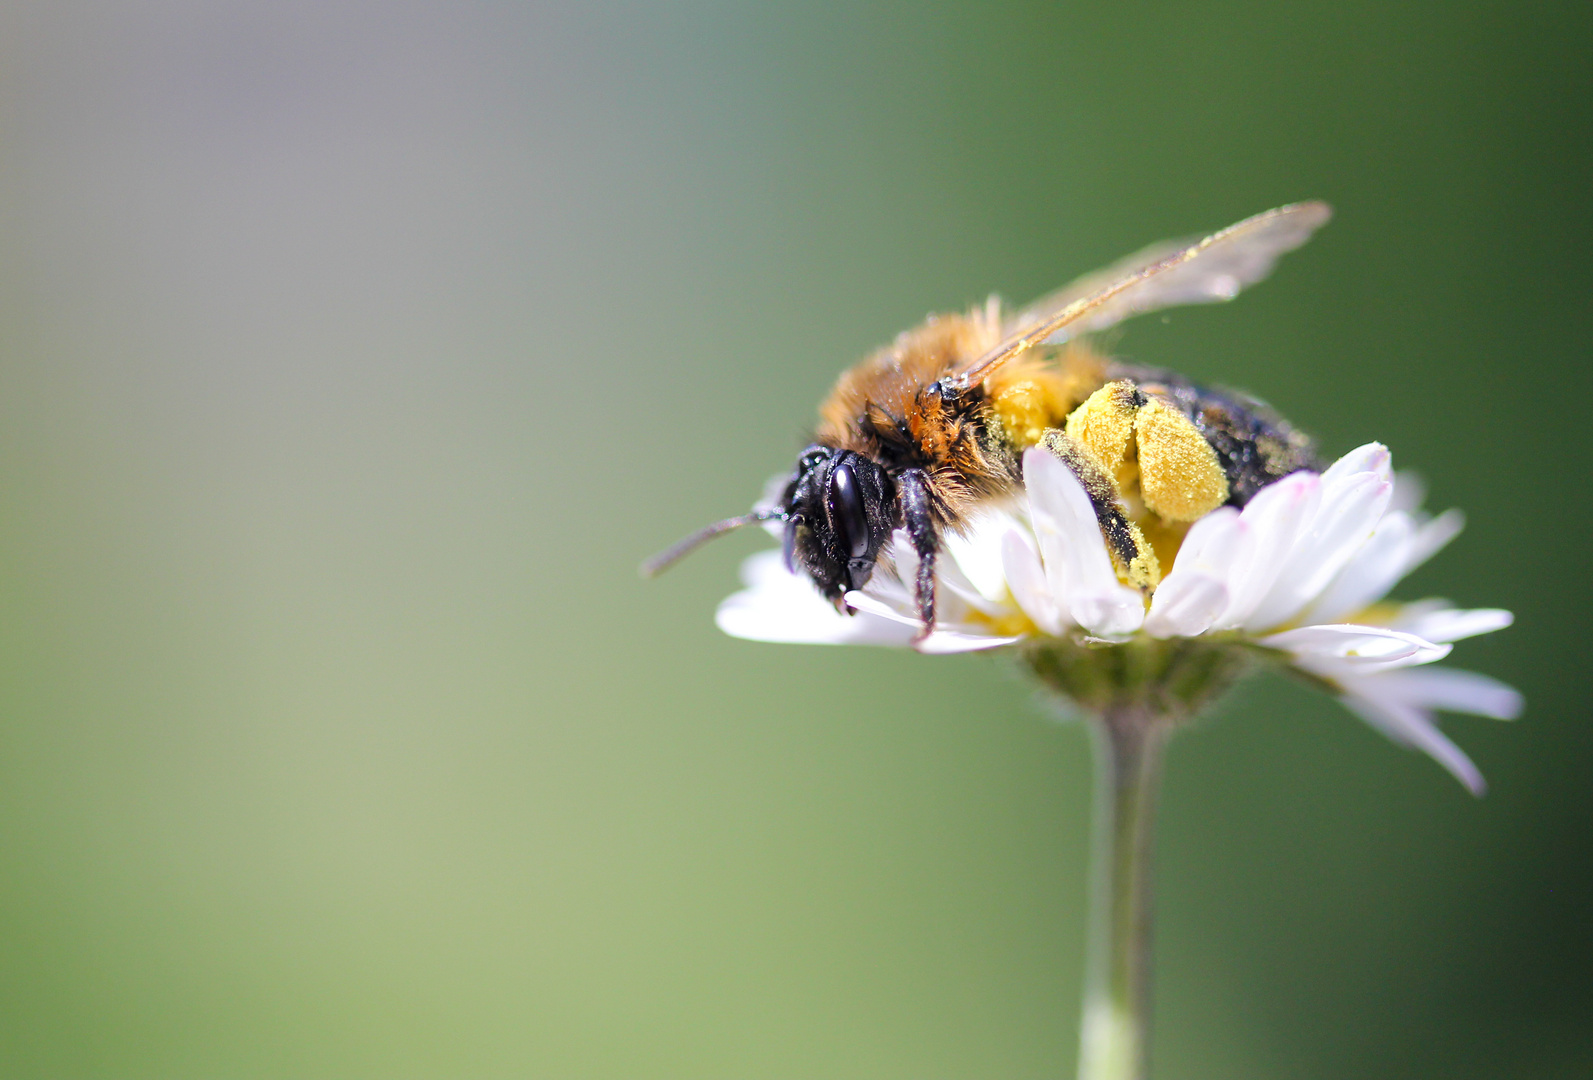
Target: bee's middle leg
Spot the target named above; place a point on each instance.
(920, 524)
(1131, 552)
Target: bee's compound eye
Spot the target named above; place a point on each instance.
(846, 512)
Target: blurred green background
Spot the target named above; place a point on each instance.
(352, 355)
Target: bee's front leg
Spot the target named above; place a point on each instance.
(920, 525)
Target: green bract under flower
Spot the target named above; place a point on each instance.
(1300, 575)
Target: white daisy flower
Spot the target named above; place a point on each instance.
(1299, 575)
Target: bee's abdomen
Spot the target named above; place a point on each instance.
(1254, 450)
(1254, 445)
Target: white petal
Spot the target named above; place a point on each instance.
(1409, 491)
(1268, 527)
(1450, 624)
(1432, 536)
(1371, 457)
(780, 606)
(1074, 553)
(767, 569)
(955, 641)
(873, 605)
(1343, 650)
(1412, 727)
(945, 638)
(977, 551)
(900, 565)
(955, 593)
(1059, 530)
(1026, 578)
(1370, 573)
(1209, 546)
(1407, 612)
(1448, 689)
(1188, 607)
(1194, 594)
(1350, 509)
(1111, 616)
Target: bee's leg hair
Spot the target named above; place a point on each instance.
(920, 525)
(1135, 558)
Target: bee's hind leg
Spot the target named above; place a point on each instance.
(1132, 554)
(920, 524)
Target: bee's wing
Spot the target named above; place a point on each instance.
(1162, 275)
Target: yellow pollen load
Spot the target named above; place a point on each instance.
(1180, 478)
(1104, 427)
(1178, 474)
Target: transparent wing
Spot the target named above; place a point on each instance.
(1036, 311)
(1163, 275)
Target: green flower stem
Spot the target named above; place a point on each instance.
(1115, 1032)
(1135, 694)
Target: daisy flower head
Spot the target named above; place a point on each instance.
(1298, 577)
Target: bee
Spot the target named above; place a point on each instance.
(921, 434)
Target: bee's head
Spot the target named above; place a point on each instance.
(840, 509)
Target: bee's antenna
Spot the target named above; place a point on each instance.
(672, 555)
